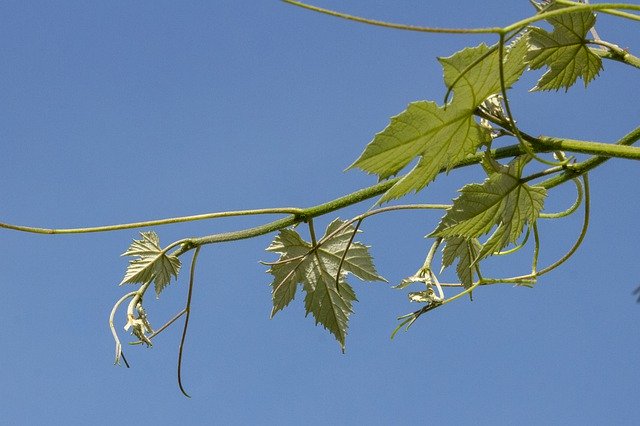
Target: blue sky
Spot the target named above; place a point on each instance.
(125, 111)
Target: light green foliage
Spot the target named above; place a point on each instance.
(564, 51)
(502, 200)
(435, 138)
(152, 263)
(466, 250)
(473, 73)
(328, 299)
(441, 136)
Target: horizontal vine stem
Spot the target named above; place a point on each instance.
(548, 144)
(617, 54)
(333, 205)
(158, 222)
(489, 30)
(571, 7)
(619, 149)
(594, 148)
(590, 164)
(621, 14)
(361, 195)
(297, 215)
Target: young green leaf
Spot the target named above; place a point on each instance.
(329, 304)
(288, 270)
(441, 136)
(329, 298)
(502, 200)
(466, 250)
(152, 263)
(474, 72)
(564, 51)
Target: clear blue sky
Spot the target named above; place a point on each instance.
(124, 111)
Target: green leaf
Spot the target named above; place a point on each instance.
(564, 51)
(466, 250)
(328, 299)
(502, 200)
(288, 271)
(441, 136)
(358, 261)
(483, 79)
(330, 305)
(152, 263)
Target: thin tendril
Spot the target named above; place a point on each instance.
(466, 70)
(431, 253)
(413, 316)
(119, 353)
(292, 272)
(284, 261)
(157, 222)
(516, 248)
(571, 209)
(340, 229)
(344, 255)
(507, 107)
(571, 251)
(384, 210)
(186, 319)
(473, 64)
(165, 326)
(392, 25)
(583, 232)
(621, 14)
(536, 249)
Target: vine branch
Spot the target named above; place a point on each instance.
(392, 25)
(603, 151)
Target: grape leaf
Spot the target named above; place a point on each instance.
(329, 300)
(441, 136)
(152, 264)
(502, 200)
(564, 51)
(287, 271)
(466, 250)
(483, 79)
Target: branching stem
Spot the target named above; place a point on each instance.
(604, 151)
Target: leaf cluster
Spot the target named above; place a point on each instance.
(442, 136)
(427, 138)
(321, 270)
(502, 200)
